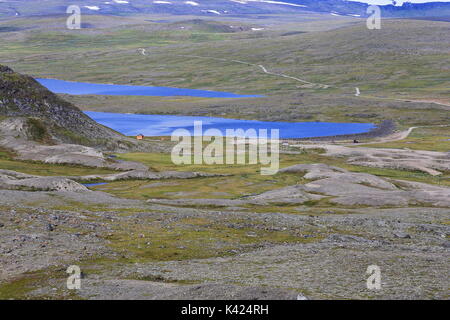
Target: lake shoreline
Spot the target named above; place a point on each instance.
(107, 89)
(385, 128)
(165, 125)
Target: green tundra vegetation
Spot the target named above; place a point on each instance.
(392, 68)
(430, 139)
(393, 72)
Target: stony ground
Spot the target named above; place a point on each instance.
(310, 232)
(230, 249)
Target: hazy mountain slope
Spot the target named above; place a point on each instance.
(217, 7)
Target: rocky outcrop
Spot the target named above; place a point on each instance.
(430, 162)
(12, 180)
(42, 116)
(337, 186)
(145, 175)
(288, 195)
(71, 154)
(351, 188)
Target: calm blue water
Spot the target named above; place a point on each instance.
(163, 125)
(94, 184)
(78, 88)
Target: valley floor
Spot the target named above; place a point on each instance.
(147, 229)
(310, 231)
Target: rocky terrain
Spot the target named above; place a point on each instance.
(340, 187)
(37, 114)
(337, 223)
(312, 235)
(430, 162)
(327, 257)
(73, 192)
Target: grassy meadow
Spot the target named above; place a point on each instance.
(392, 67)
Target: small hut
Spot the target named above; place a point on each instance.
(140, 137)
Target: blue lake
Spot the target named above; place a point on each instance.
(164, 125)
(79, 88)
(94, 184)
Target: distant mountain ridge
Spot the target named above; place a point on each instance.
(219, 7)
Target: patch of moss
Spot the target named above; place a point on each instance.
(21, 287)
(38, 131)
(194, 239)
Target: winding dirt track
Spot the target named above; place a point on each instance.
(262, 67)
(402, 134)
(305, 82)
